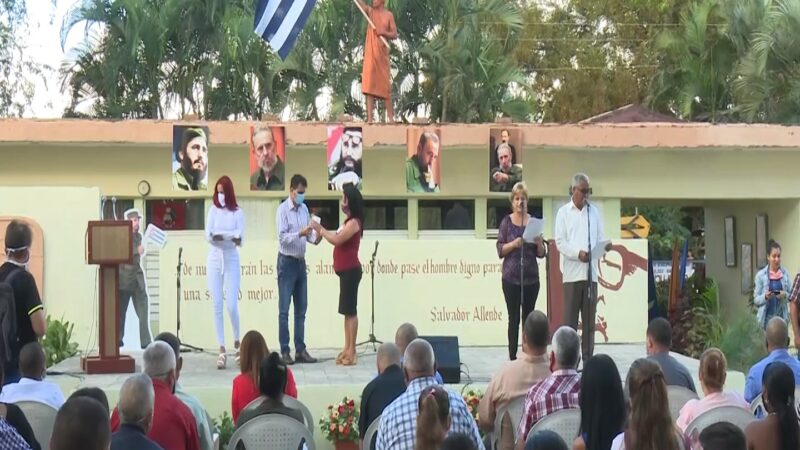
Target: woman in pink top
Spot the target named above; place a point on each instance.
(713, 367)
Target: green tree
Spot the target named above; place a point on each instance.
(17, 69)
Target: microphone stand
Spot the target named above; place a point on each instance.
(589, 274)
(186, 347)
(372, 339)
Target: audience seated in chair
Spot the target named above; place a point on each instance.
(272, 384)
(722, 436)
(516, 377)
(174, 427)
(777, 337)
(602, 403)
(13, 416)
(405, 334)
(81, 424)
(433, 421)
(659, 341)
(650, 425)
(245, 385)
(31, 386)
(136, 400)
(458, 441)
(95, 393)
(779, 430)
(384, 389)
(397, 430)
(713, 371)
(559, 390)
(204, 427)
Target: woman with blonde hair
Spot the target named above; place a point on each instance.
(433, 420)
(650, 426)
(245, 385)
(520, 274)
(713, 371)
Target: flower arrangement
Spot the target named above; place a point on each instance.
(341, 421)
(472, 398)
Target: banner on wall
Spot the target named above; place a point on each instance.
(443, 287)
(345, 152)
(423, 164)
(189, 158)
(267, 158)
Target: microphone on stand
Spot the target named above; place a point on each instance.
(375, 252)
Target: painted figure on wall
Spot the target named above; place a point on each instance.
(132, 285)
(376, 76)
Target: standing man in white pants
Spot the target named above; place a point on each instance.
(224, 231)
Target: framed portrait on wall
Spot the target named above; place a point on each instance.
(747, 268)
(730, 241)
(762, 233)
(505, 158)
(423, 162)
(267, 159)
(189, 158)
(345, 150)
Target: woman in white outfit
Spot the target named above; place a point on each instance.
(224, 231)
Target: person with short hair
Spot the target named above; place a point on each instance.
(271, 383)
(32, 387)
(777, 337)
(346, 241)
(270, 173)
(578, 230)
(458, 441)
(659, 341)
(132, 283)
(245, 385)
(515, 377)
(81, 424)
(433, 421)
(397, 429)
(204, 426)
(520, 277)
(602, 403)
(294, 232)
(722, 436)
(545, 440)
(384, 389)
(174, 427)
(558, 391)
(192, 155)
(406, 333)
(11, 415)
(30, 314)
(419, 167)
(224, 232)
(713, 372)
(780, 429)
(136, 403)
(94, 393)
(507, 173)
(771, 290)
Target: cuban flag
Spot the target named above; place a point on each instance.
(279, 22)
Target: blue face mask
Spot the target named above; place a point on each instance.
(300, 198)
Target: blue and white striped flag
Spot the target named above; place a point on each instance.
(279, 22)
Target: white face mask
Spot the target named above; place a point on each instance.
(22, 264)
(221, 199)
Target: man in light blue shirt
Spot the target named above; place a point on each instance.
(778, 346)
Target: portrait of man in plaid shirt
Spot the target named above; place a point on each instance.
(559, 390)
(398, 426)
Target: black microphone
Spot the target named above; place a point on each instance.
(375, 252)
(180, 252)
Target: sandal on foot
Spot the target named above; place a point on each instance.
(339, 358)
(221, 361)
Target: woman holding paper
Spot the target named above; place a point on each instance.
(224, 231)
(520, 268)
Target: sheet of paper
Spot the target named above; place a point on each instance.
(155, 236)
(534, 228)
(599, 250)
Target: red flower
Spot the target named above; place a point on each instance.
(341, 409)
(346, 430)
(351, 402)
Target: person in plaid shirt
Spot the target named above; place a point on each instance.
(398, 426)
(558, 391)
(794, 310)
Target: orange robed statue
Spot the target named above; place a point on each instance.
(375, 77)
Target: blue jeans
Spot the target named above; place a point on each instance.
(292, 284)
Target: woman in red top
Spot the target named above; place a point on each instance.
(245, 385)
(345, 243)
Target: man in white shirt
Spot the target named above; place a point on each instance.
(32, 388)
(579, 228)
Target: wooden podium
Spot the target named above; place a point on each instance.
(110, 243)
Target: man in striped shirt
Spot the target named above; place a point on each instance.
(559, 390)
(293, 234)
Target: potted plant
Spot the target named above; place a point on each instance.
(472, 398)
(340, 424)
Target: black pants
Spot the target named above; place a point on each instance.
(518, 299)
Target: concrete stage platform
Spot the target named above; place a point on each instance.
(323, 383)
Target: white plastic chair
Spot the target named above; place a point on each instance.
(678, 396)
(372, 429)
(513, 412)
(757, 405)
(733, 414)
(565, 423)
(42, 417)
(273, 432)
(289, 402)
